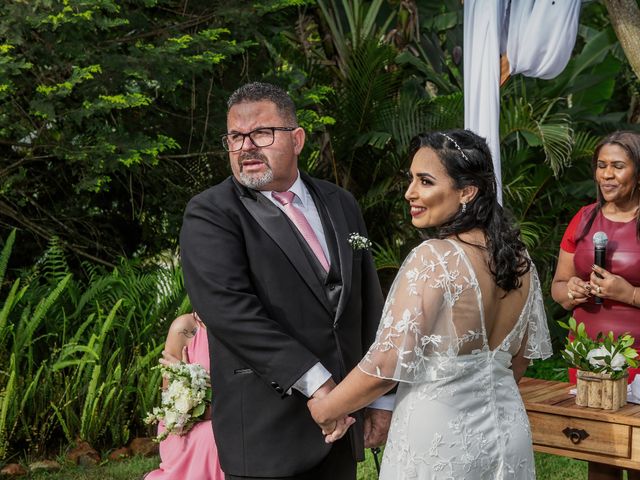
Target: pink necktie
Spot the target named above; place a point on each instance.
(301, 222)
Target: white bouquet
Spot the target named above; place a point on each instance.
(184, 401)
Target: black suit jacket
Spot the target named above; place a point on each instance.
(269, 320)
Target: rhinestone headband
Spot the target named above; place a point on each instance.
(456, 144)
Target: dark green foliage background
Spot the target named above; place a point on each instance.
(110, 121)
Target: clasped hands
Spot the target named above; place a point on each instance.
(601, 283)
(334, 427)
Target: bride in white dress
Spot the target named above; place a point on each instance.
(463, 319)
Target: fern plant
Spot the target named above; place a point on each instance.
(78, 352)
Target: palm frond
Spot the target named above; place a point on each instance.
(54, 262)
(6, 253)
(387, 256)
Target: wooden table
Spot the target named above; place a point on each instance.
(561, 427)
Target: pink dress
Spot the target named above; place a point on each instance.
(194, 455)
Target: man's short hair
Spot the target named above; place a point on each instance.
(258, 92)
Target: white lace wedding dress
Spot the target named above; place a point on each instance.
(458, 412)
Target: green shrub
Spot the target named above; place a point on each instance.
(77, 353)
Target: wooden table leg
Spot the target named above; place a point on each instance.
(633, 474)
(601, 471)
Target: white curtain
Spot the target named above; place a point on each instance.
(537, 36)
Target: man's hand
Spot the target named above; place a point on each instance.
(324, 389)
(376, 427)
(332, 428)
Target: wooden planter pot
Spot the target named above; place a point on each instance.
(597, 390)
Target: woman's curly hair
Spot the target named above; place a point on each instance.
(467, 160)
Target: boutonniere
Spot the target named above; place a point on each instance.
(359, 242)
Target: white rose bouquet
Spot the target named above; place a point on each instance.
(605, 354)
(185, 399)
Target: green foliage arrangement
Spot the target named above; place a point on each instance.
(604, 354)
(77, 355)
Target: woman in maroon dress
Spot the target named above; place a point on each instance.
(577, 281)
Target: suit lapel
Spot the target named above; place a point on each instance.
(275, 224)
(341, 231)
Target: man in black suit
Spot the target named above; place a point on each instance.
(288, 312)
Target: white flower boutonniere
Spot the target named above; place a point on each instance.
(359, 242)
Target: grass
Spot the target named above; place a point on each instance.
(367, 469)
(131, 469)
(549, 467)
(134, 468)
(553, 467)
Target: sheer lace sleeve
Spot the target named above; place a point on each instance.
(416, 340)
(538, 338)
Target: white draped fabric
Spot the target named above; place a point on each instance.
(537, 36)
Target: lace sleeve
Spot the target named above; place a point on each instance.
(416, 340)
(530, 335)
(537, 330)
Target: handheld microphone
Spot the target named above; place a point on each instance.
(600, 249)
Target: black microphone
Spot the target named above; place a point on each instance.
(599, 252)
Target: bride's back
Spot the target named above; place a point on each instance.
(501, 309)
(445, 303)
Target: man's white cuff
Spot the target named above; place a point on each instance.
(386, 402)
(311, 381)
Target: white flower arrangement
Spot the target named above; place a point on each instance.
(185, 399)
(359, 242)
(605, 354)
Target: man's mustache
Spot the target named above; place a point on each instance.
(252, 156)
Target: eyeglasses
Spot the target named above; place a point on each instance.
(260, 137)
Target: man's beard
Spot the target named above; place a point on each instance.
(256, 181)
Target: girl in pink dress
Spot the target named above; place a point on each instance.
(193, 455)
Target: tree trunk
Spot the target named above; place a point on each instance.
(625, 18)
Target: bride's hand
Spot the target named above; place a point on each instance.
(332, 429)
(341, 427)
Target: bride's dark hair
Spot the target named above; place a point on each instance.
(467, 160)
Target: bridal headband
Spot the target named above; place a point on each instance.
(456, 144)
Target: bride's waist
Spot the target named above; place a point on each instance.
(485, 356)
(468, 364)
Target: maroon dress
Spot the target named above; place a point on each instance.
(622, 258)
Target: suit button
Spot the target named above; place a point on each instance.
(277, 387)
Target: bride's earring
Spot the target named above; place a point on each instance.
(464, 207)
